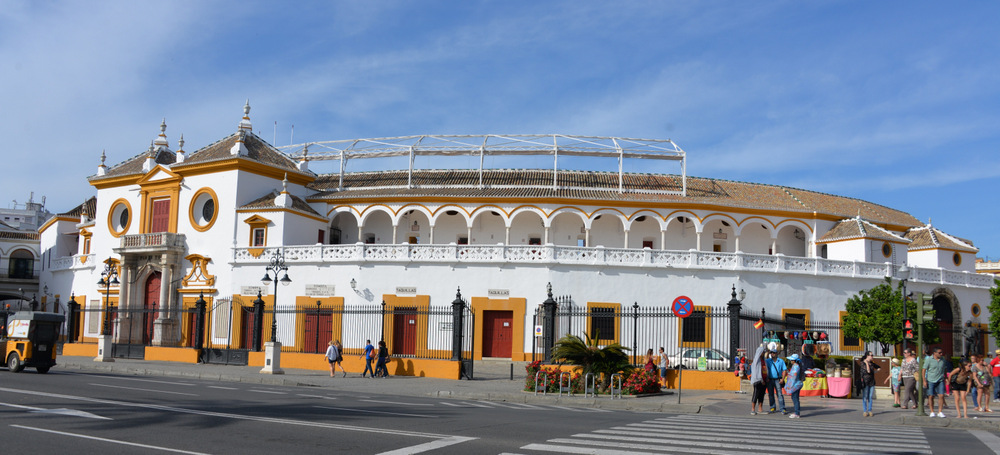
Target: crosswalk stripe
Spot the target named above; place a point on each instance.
(718, 435)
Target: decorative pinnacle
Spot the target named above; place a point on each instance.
(103, 157)
(163, 127)
(180, 144)
(246, 109)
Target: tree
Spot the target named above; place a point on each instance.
(876, 316)
(592, 358)
(994, 308)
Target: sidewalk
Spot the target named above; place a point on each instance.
(493, 383)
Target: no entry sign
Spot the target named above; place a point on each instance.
(682, 307)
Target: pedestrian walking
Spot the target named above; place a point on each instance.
(368, 355)
(758, 372)
(333, 357)
(664, 364)
(775, 381)
(907, 373)
(383, 355)
(867, 374)
(973, 390)
(932, 376)
(793, 383)
(983, 376)
(894, 382)
(961, 377)
(650, 364)
(995, 363)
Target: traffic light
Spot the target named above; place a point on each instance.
(925, 309)
(908, 329)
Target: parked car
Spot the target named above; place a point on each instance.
(688, 358)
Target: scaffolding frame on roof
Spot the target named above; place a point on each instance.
(494, 145)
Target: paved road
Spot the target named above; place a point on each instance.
(87, 412)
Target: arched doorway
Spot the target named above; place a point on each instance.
(150, 306)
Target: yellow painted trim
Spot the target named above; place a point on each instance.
(112, 182)
(421, 303)
(191, 208)
(843, 344)
(882, 249)
(333, 304)
(707, 342)
(283, 209)
(79, 350)
(242, 164)
(616, 311)
(517, 306)
(802, 311)
(207, 291)
(425, 368)
(111, 214)
(256, 222)
(860, 238)
(55, 219)
(168, 354)
(199, 264)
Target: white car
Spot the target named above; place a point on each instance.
(716, 359)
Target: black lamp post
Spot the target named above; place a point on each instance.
(549, 307)
(109, 277)
(735, 306)
(277, 265)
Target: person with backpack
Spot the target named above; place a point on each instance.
(794, 381)
(368, 355)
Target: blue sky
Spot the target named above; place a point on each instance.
(897, 103)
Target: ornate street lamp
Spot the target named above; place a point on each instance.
(109, 277)
(277, 265)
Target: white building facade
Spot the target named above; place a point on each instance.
(178, 225)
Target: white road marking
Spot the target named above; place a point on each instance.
(427, 446)
(95, 438)
(452, 404)
(303, 395)
(131, 379)
(990, 440)
(304, 423)
(582, 450)
(398, 402)
(59, 411)
(223, 388)
(267, 391)
(375, 412)
(142, 390)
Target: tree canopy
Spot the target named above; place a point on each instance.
(876, 315)
(994, 308)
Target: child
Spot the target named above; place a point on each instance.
(894, 376)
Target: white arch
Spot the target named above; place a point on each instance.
(646, 212)
(404, 210)
(371, 210)
(753, 220)
(535, 210)
(442, 211)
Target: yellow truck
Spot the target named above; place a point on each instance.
(29, 340)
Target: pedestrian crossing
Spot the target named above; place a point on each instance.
(720, 435)
(520, 406)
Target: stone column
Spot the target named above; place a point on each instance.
(165, 326)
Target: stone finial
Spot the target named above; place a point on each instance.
(161, 140)
(284, 184)
(245, 124)
(102, 169)
(180, 150)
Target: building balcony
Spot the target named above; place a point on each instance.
(601, 257)
(77, 261)
(154, 243)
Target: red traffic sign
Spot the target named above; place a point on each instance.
(682, 307)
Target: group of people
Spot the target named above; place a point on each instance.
(335, 357)
(939, 378)
(770, 374)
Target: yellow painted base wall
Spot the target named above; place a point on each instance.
(704, 380)
(442, 369)
(163, 354)
(79, 349)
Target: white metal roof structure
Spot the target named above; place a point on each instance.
(494, 145)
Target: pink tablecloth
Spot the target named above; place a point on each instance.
(839, 387)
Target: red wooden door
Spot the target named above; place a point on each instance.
(498, 333)
(150, 306)
(192, 323)
(246, 328)
(404, 331)
(317, 334)
(161, 216)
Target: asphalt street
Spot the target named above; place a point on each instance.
(88, 412)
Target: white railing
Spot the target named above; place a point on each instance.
(153, 240)
(600, 256)
(77, 261)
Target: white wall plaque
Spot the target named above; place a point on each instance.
(406, 289)
(320, 290)
(499, 292)
(252, 290)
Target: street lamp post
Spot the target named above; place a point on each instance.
(109, 277)
(272, 350)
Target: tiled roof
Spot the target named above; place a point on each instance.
(858, 228)
(600, 186)
(133, 166)
(267, 202)
(89, 207)
(18, 235)
(928, 238)
(257, 150)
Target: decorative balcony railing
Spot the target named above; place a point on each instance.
(152, 242)
(77, 261)
(600, 256)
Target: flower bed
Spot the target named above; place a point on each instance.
(635, 382)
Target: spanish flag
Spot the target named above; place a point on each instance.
(759, 324)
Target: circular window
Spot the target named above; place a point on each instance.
(975, 310)
(956, 258)
(204, 209)
(886, 249)
(119, 218)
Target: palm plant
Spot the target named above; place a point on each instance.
(592, 358)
